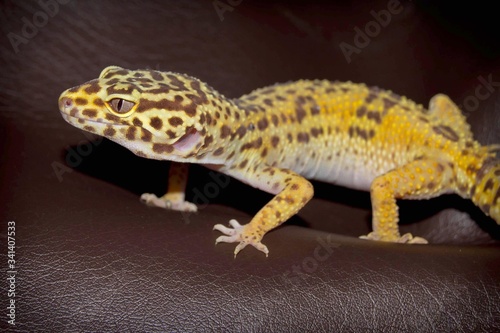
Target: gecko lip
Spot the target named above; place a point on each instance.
(68, 117)
(182, 144)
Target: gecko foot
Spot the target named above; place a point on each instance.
(406, 238)
(180, 205)
(238, 233)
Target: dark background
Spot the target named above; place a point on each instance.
(91, 257)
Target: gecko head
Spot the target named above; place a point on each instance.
(154, 114)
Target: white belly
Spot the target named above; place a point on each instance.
(348, 168)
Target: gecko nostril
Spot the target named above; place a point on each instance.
(65, 103)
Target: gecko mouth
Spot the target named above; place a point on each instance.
(184, 144)
(67, 117)
(188, 141)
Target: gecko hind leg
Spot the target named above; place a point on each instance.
(421, 179)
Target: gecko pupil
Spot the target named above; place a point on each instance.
(120, 105)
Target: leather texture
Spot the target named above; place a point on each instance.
(91, 258)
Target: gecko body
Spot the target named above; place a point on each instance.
(277, 137)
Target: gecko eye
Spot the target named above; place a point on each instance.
(120, 105)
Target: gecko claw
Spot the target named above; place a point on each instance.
(407, 238)
(179, 205)
(237, 234)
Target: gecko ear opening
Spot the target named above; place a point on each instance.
(188, 141)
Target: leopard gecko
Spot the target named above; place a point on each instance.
(277, 137)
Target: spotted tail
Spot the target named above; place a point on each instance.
(486, 193)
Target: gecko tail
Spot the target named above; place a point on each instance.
(487, 190)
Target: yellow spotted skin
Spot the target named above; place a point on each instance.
(277, 137)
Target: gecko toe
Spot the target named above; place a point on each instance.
(237, 234)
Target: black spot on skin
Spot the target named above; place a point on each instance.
(109, 131)
(447, 132)
(89, 128)
(303, 137)
(488, 185)
(146, 136)
(171, 134)
(364, 134)
(112, 117)
(361, 111)
(315, 132)
(370, 98)
(208, 140)
(130, 135)
(98, 102)
(299, 109)
(274, 141)
(388, 103)
(80, 101)
(472, 191)
(89, 113)
(243, 164)
(161, 148)
(156, 75)
(137, 122)
(289, 137)
(262, 124)
(92, 88)
(264, 152)
(268, 102)
(487, 164)
(165, 104)
(375, 116)
(253, 144)
(225, 131)
(241, 131)
(175, 121)
(156, 123)
(218, 151)
(497, 196)
(274, 120)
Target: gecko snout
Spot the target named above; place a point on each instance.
(65, 103)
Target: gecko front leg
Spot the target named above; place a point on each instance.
(292, 193)
(174, 198)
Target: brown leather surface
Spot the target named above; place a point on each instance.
(91, 257)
